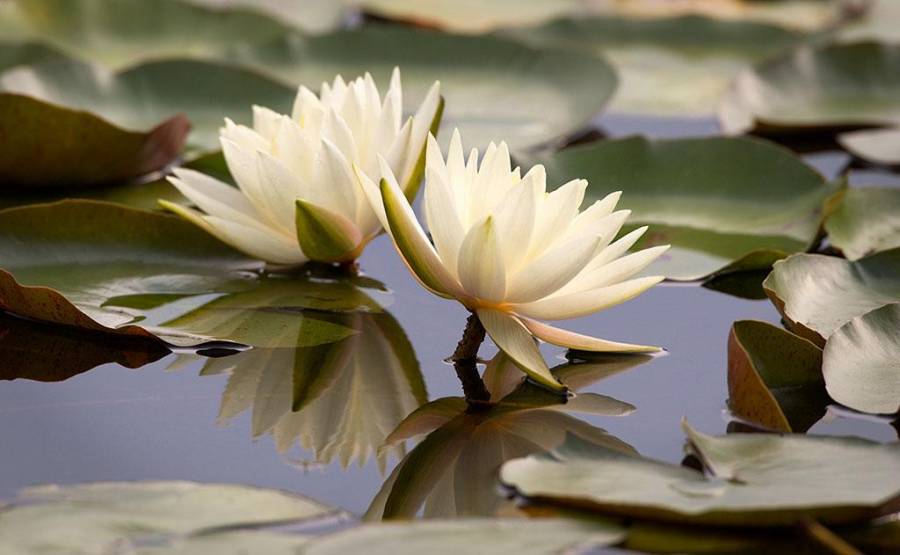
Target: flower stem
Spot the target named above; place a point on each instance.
(465, 362)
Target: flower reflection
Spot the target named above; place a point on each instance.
(339, 399)
(452, 471)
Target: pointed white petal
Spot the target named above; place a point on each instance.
(271, 247)
(552, 270)
(443, 220)
(243, 167)
(515, 221)
(596, 211)
(512, 338)
(266, 122)
(480, 268)
(577, 341)
(279, 185)
(617, 249)
(426, 119)
(617, 270)
(337, 181)
(576, 305)
(214, 197)
(556, 213)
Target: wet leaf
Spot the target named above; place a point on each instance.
(724, 204)
(866, 221)
(138, 98)
(451, 537)
(107, 268)
(671, 66)
(817, 294)
(96, 518)
(753, 480)
(556, 92)
(452, 471)
(833, 87)
(879, 146)
(774, 377)
(34, 351)
(862, 362)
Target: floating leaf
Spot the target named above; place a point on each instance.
(100, 517)
(817, 294)
(238, 542)
(137, 98)
(14, 54)
(774, 377)
(862, 362)
(880, 146)
(126, 32)
(834, 87)
(313, 16)
(673, 66)
(866, 221)
(34, 351)
(555, 92)
(111, 267)
(340, 399)
(452, 471)
(452, 537)
(753, 480)
(724, 204)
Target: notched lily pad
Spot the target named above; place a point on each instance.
(865, 222)
(862, 362)
(817, 294)
(751, 480)
(774, 377)
(724, 204)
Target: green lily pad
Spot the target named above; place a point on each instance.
(724, 204)
(34, 351)
(866, 221)
(879, 146)
(774, 377)
(312, 16)
(452, 471)
(451, 537)
(862, 362)
(339, 400)
(496, 89)
(671, 66)
(22, 53)
(121, 271)
(125, 32)
(237, 542)
(751, 480)
(834, 87)
(97, 518)
(818, 294)
(472, 16)
(141, 97)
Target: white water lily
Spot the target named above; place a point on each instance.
(512, 252)
(297, 199)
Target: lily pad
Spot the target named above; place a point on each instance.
(774, 377)
(125, 32)
(111, 268)
(34, 351)
(452, 537)
(452, 471)
(834, 87)
(22, 53)
(866, 221)
(495, 88)
(312, 16)
(137, 98)
(879, 146)
(818, 294)
(751, 480)
(672, 66)
(862, 362)
(237, 542)
(472, 16)
(339, 400)
(724, 204)
(95, 518)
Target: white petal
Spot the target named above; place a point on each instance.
(577, 341)
(214, 197)
(551, 271)
(271, 247)
(617, 270)
(441, 215)
(556, 213)
(266, 122)
(245, 171)
(280, 187)
(512, 338)
(422, 122)
(515, 221)
(617, 249)
(600, 209)
(480, 268)
(243, 136)
(576, 305)
(337, 181)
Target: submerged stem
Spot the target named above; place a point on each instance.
(827, 539)
(465, 362)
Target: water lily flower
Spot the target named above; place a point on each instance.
(297, 198)
(513, 253)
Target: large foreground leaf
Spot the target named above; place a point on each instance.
(752, 480)
(774, 377)
(862, 361)
(97, 518)
(722, 203)
(140, 97)
(866, 221)
(674, 66)
(496, 89)
(817, 294)
(832, 87)
(112, 267)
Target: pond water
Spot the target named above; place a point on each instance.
(164, 421)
